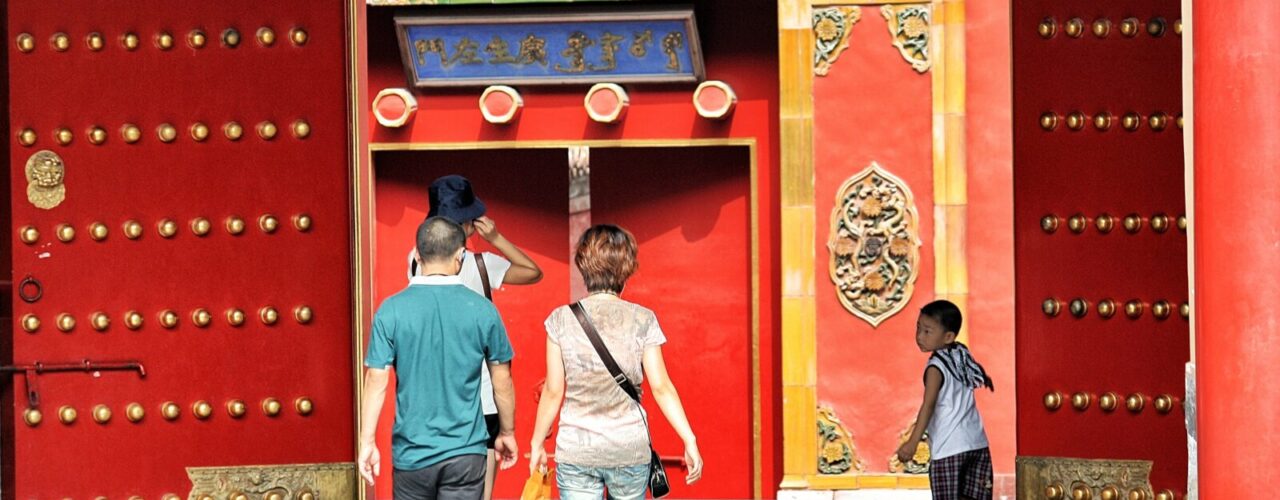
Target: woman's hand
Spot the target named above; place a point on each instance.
(692, 463)
(537, 458)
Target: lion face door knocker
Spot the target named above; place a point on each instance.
(875, 244)
(45, 175)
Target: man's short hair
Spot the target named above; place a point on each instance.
(946, 313)
(439, 239)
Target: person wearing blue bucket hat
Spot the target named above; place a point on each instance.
(453, 197)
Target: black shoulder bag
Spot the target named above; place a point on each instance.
(658, 485)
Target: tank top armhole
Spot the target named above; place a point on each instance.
(935, 366)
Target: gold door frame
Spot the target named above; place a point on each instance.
(799, 219)
(363, 204)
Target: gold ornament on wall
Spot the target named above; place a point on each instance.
(836, 452)
(45, 175)
(831, 27)
(909, 26)
(874, 244)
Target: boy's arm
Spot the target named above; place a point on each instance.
(524, 271)
(932, 385)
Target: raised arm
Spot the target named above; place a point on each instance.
(664, 392)
(932, 385)
(524, 271)
(548, 406)
(375, 393)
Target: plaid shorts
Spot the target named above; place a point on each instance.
(962, 477)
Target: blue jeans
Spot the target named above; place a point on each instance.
(589, 483)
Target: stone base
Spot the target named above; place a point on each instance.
(1004, 489)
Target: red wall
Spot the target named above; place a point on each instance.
(740, 44)
(990, 222)
(872, 106)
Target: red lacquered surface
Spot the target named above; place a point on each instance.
(1092, 172)
(182, 180)
(1236, 144)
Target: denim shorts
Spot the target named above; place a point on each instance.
(589, 483)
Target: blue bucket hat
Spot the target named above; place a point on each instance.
(451, 197)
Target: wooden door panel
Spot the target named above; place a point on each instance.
(180, 178)
(1102, 169)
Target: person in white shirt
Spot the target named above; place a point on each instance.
(452, 197)
(960, 460)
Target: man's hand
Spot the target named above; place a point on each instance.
(487, 229)
(693, 464)
(505, 447)
(537, 459)
(369, 462)
(907, 451)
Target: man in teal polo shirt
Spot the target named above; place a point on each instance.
(437, 333)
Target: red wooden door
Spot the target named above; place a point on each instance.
(206, 150)
(1101, 261)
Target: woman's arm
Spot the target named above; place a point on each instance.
(548, 406)
(664, 392)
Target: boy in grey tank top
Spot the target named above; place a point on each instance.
(960, 462)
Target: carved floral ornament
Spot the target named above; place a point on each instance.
(919, 463)
(909, 27)
(874, 244)
(831, 27)
(836, 452)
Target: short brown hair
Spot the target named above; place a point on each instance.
(606, 256)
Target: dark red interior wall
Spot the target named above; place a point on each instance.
(527, 195)
(740, 45)
(690, 211)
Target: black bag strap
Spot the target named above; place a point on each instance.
(484, 275)
(603, 352)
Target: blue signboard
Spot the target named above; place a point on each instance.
(581, 47)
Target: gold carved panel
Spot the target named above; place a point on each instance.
(836, 452)
(335, 481)
(909, 27)
(874, 244)
(1041, 477)
(831, 27)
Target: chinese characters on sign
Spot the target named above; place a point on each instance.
(622, 47)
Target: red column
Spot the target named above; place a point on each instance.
(1237, 244)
